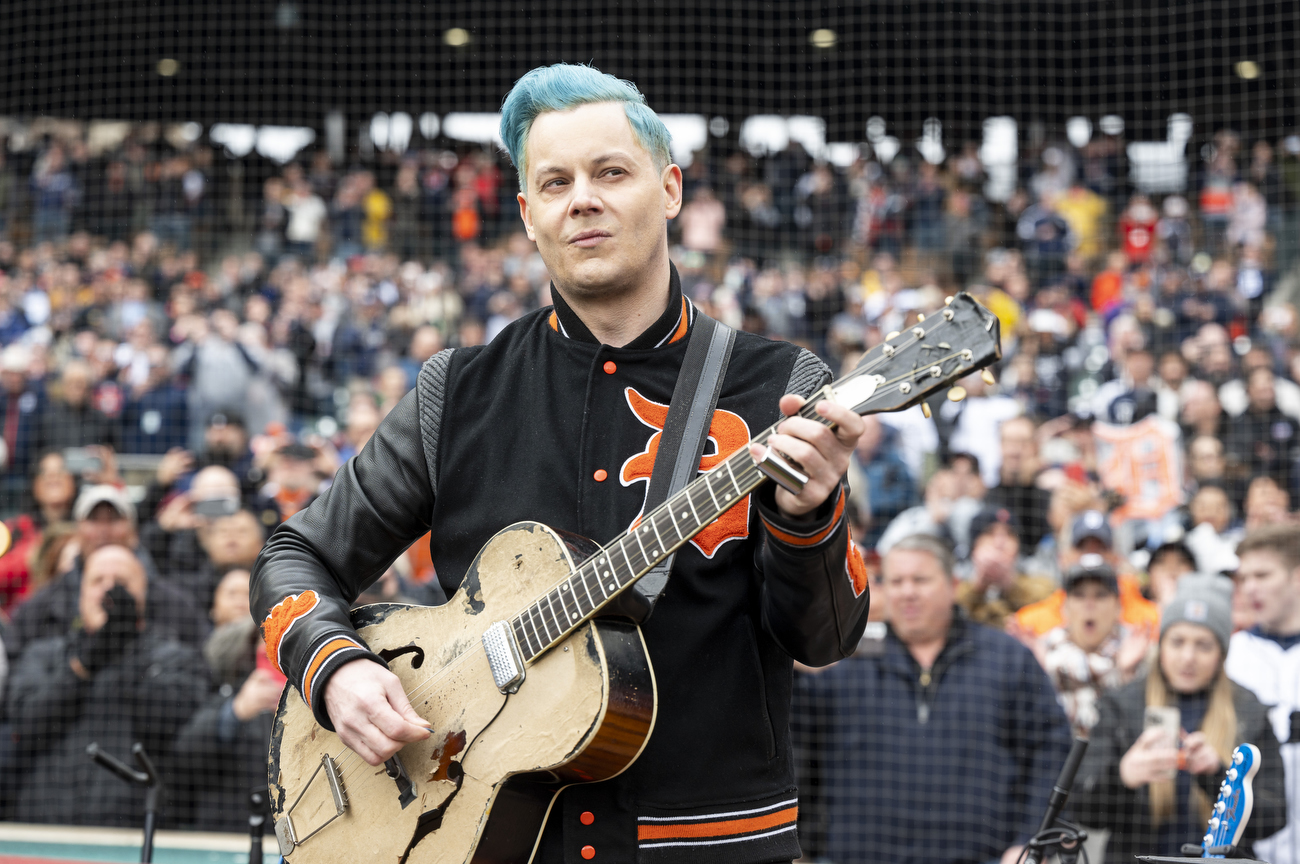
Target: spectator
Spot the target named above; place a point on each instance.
(70, 419)
(949, 739)
(888, 486)
(1131, 781)
(219, 368)
(1089, 534)
(105, 516)
(113, 680)
(54, 489)
(1266, 660)
(1263, 440)
(307, 217)
(20, 412)
(1091, 652)
(996, 588)
(701, 222)
(1169, 563)
(1016, 490)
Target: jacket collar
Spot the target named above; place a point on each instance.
(671, 326)
(956, 644)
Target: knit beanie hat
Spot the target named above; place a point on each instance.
(1202, 599)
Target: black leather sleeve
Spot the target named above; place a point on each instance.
(319, 560)
(815, 595)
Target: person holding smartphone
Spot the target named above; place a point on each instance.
(1152, 784)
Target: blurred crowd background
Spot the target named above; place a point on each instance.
(190, 353)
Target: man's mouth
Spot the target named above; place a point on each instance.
(588, 239)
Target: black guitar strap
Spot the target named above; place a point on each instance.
(686, 432)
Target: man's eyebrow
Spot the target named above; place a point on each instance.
(616, 155)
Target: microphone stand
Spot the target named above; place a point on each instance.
(1055, 834)
(148, 778)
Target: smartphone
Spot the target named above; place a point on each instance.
(1165, 718)
(82, 460)
(215, 508)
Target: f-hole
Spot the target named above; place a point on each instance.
(391, 654)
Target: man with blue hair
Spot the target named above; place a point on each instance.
(538, 425)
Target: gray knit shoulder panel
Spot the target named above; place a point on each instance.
(808, 374)
(430, 397)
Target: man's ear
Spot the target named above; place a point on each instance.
(525, 215)
(672, 183)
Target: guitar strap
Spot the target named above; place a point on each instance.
(686, 432)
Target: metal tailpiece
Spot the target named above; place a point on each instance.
(503, 657)
(285, 834)
(781, 472)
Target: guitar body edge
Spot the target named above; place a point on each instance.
(523, 803)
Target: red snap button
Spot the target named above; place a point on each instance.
(600, 475)
(587, 817)
(610, 367)
(588, 852)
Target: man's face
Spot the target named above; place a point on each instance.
(108, 567)
(226, 440)
(102, 527)
(1017, 447)
(994, 555)
(230, 600)
(918, 594)
(234, 539)
(1090, 612)
(1164, 573)
(1207, 458)
(594, 202)
(1268, 588)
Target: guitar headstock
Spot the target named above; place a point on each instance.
(1232, 809)
(908, 366)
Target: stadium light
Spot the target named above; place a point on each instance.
(167, 67)
(822, 38)
(1247, 70)
(456, 37)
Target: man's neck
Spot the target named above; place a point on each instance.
(1287, 627)
(617, 320)
(926, 650)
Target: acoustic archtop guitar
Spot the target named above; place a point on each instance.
(526, 688)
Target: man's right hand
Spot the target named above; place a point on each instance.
(370, 711)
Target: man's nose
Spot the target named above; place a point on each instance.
(585, 198)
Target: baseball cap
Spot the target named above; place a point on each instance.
(989, 517)
(1091, 523)
(225, 418)
(1091, 567)
(92, 496)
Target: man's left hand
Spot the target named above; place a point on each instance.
(821, 451)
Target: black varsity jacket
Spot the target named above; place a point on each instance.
(546, 424)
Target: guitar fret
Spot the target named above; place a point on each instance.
(656, 530)
(692, 503)
(570, 615)
(544, 633)
(554, 618)
(600, 582)
(708, 485)
(586, 590)
(733, 477)
(644, 556)
(674, 521)
(521, 635)
(631, 571)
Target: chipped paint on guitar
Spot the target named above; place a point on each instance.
(479, 787)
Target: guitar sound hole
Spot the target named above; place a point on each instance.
(391, 654)
(455, 772)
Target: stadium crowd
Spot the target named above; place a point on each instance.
(187, 360)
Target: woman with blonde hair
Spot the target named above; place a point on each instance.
(1154, 790)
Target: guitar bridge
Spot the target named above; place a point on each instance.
(285, 833)
(503, 656)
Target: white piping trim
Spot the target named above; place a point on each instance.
(716, 815)
(790, 827)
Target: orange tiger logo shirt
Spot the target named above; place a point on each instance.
(727, 431)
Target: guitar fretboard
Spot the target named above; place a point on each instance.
(635, 552)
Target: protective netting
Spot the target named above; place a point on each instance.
(230, 234)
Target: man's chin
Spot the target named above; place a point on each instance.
(595, 277)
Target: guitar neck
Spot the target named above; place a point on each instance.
(636, 551)
(916, 363)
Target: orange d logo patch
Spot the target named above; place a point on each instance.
(282, 618)
(727, 432)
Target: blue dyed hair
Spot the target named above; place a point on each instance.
(564, 86)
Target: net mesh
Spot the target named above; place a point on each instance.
(231, 233)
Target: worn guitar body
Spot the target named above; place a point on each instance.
(480, 787)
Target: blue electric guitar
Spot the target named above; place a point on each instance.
(1232, 810)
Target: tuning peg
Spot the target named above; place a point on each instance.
(957, 394)
(947, 300)
(925, 409)
(891, 335)
(920, 316)
(988, 377)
